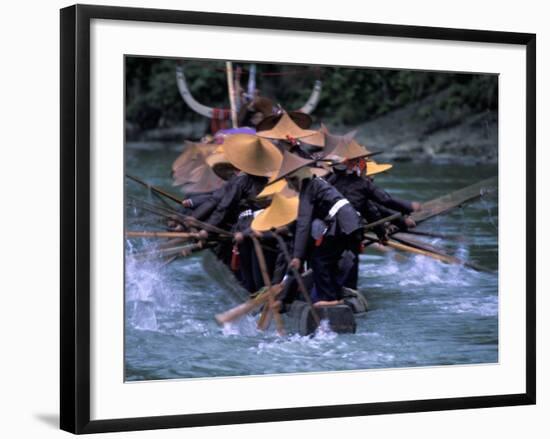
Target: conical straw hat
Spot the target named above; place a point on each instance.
(374, 168)
(279, 187)
(252, 154)
(220, 165)
(271, 189)
(291, 163)
(284, 129)
(193, 151)
(303, 120)
(317, 139)
(282, 211)
(347, 151)
(207, 181)
(332, 140)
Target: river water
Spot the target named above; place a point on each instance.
(422, 312)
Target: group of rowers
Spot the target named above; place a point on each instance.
(312, 188)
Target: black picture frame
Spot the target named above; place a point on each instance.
(75, 217)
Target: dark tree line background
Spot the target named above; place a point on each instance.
(350, 96)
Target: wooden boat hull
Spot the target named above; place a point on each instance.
(298, 317)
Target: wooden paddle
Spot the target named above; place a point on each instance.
(183, 250)
(270, 306)
(436, 253)
(298, 277)
(458, 238)
(155, 189)
(244, 308)
(145, 234)
(174, 214)
(444, 204)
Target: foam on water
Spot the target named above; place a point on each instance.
(245, 326)
(145, 291)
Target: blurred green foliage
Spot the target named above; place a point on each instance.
(350, 96)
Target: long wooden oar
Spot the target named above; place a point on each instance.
(155, 189)
(436, 253)
(183, 250)
(458, 238)
(270, 306)
(174, 214)
(244, 308)
(145, 234)
(382, 221)
(155, 209)
(444, 204)
(407, 248)
(416, 247)
(298, 277)
(146, 208)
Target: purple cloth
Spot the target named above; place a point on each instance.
(240, 130)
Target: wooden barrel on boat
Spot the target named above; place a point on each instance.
(299, 318)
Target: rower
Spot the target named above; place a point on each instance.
(253, 112)
(201, 205)
(327, 217)
(368, 199)
(257, 159)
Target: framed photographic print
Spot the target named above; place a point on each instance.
(341, 214)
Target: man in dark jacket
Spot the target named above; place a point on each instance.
(371, 201)
(327, 217)
(256, 158)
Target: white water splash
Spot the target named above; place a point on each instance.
(144, 292)
(424, 271)
(246, 326)
(323, 331)
(141, 315)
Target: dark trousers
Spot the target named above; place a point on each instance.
(351, 272)
(326, 271)
(251, 273)
(335, 264)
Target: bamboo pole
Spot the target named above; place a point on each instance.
(231, 89)
(251, 304)
(298, 277)
(270, 306)
(403, 247)
(155, 189)
(185, 235)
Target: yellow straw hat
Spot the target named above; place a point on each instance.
(317, 139)
(220, 165)
(290, 164)
(303, 120)
(191, 152)
(271, 189)
(252, 154)
(347, 151)
(374, 168)
(284, 129)
(204, 181)
(282, 211)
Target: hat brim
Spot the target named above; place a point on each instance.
(282, 211)
(290, 172)
(303, 120)
(220, 165)
(272, 188)
(252, 155)
(377, 168)
(336, 160)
